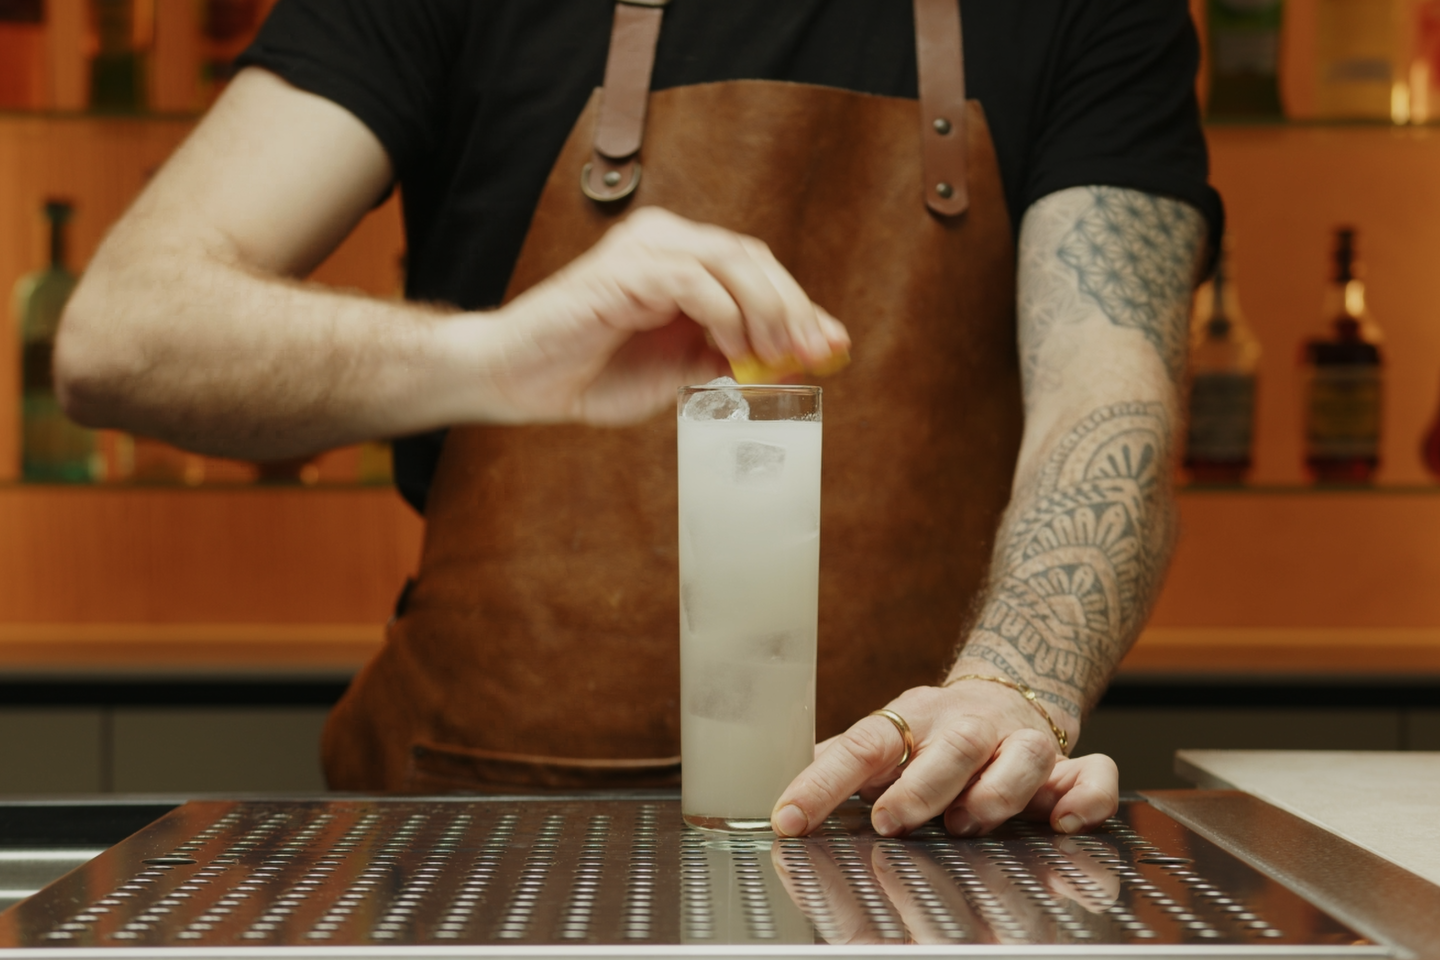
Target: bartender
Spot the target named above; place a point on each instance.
(755, 183)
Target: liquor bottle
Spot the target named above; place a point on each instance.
(376, 465)
(1358, 54)
(1343, 382)
(22, 54)
(294, 470)
(53, 448)
(1244, 58)
(122, 33)
(1425, 62)
(229, 27)
(157, 462)
(1430, 448)
(1223, 356)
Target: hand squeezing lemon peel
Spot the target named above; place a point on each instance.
(752, 369)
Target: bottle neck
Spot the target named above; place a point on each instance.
(57, 245)
(1352, 298)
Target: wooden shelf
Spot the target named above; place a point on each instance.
(243, 555)
(1303, 490)
(52, 649)
(1243, 652)
(340, 649)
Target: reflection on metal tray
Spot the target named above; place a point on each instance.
(502, 873)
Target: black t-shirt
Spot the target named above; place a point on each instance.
(473, 99)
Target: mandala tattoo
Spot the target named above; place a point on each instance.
(1078, 566)
(1133, 254)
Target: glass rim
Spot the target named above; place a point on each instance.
(802, 390)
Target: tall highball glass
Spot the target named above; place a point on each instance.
(749, 468)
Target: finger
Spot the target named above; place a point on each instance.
(827, 900)
(870, 746)
(1022, 765)
(728, 257)
(943, 765)
(876, 788)
(807, 340)
(1079, 794)
(916, 912)
(1097, 886)
(834, 330)
(664, 283)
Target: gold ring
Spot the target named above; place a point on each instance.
(905, 733)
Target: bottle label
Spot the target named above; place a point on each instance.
(1242, 52)
(1244, 37)
(1222, 417)
(1343, 416)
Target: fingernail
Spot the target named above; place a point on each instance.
(884, 823)
(961, 824)
(1069, 824)
(790, 821)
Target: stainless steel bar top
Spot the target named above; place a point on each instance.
(623, 876)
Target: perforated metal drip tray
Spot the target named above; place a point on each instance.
(496, 874)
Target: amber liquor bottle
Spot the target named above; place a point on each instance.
(1344, 380)
(1223, 357)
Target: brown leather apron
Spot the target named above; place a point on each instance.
(539, 645)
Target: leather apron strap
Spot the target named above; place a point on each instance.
(613, 172)
(940, 54)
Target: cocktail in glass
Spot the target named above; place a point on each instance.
(749, 469)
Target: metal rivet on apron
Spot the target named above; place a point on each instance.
(621, 193)
(945, 190)
(942, 126)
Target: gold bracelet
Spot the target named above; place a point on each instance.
(1028, 694)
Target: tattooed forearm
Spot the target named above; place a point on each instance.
(1079, 558)
(1104, 298)
(1129, 254)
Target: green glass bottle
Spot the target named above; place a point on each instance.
(53, 448)
(1245, 59)
(117, 70)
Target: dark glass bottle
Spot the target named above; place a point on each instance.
(1430, 448)
(118, 78)
(229, 27)
(1223, 357)
(53, 449)
(1244, 59)
(1344, 383)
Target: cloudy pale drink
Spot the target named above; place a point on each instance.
(749, 569)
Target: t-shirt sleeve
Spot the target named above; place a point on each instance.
(385, 61)
(1122, 109)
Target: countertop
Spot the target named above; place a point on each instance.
(1388, 803)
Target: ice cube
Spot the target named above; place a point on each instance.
(718, 404)
(780, 647)
(724, 692)
(757, 463)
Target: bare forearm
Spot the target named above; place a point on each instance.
(1082, 551)
(218, 358)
